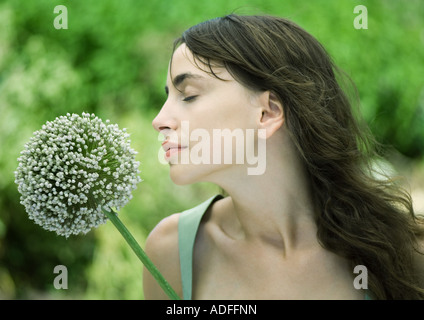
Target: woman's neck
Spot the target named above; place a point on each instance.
(274, 208)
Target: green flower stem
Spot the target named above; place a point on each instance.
(141, 254)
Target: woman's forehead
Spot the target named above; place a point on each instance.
(183, 61)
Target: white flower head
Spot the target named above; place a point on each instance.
(73, 168)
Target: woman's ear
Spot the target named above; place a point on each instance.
(272, 117)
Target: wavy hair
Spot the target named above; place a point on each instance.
(361, 215)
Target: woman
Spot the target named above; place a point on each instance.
(298, 229)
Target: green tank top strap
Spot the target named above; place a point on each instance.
(188, 224)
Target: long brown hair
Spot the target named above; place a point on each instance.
(361, 215)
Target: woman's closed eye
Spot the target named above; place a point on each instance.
(189, 98)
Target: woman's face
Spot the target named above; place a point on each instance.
(200, 117)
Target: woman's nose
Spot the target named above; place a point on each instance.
(164, 120)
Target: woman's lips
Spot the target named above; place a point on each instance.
(172, 151)
(171, 148)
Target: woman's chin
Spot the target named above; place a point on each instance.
(182, 175)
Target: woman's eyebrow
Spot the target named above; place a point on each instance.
(179, 79)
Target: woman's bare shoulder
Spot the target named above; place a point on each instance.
(165, 231)
(162, 248)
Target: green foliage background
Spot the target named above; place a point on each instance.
(112, 61)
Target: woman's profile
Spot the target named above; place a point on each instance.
(298, 229)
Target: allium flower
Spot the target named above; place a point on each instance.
(72, 169)
(74, 172)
